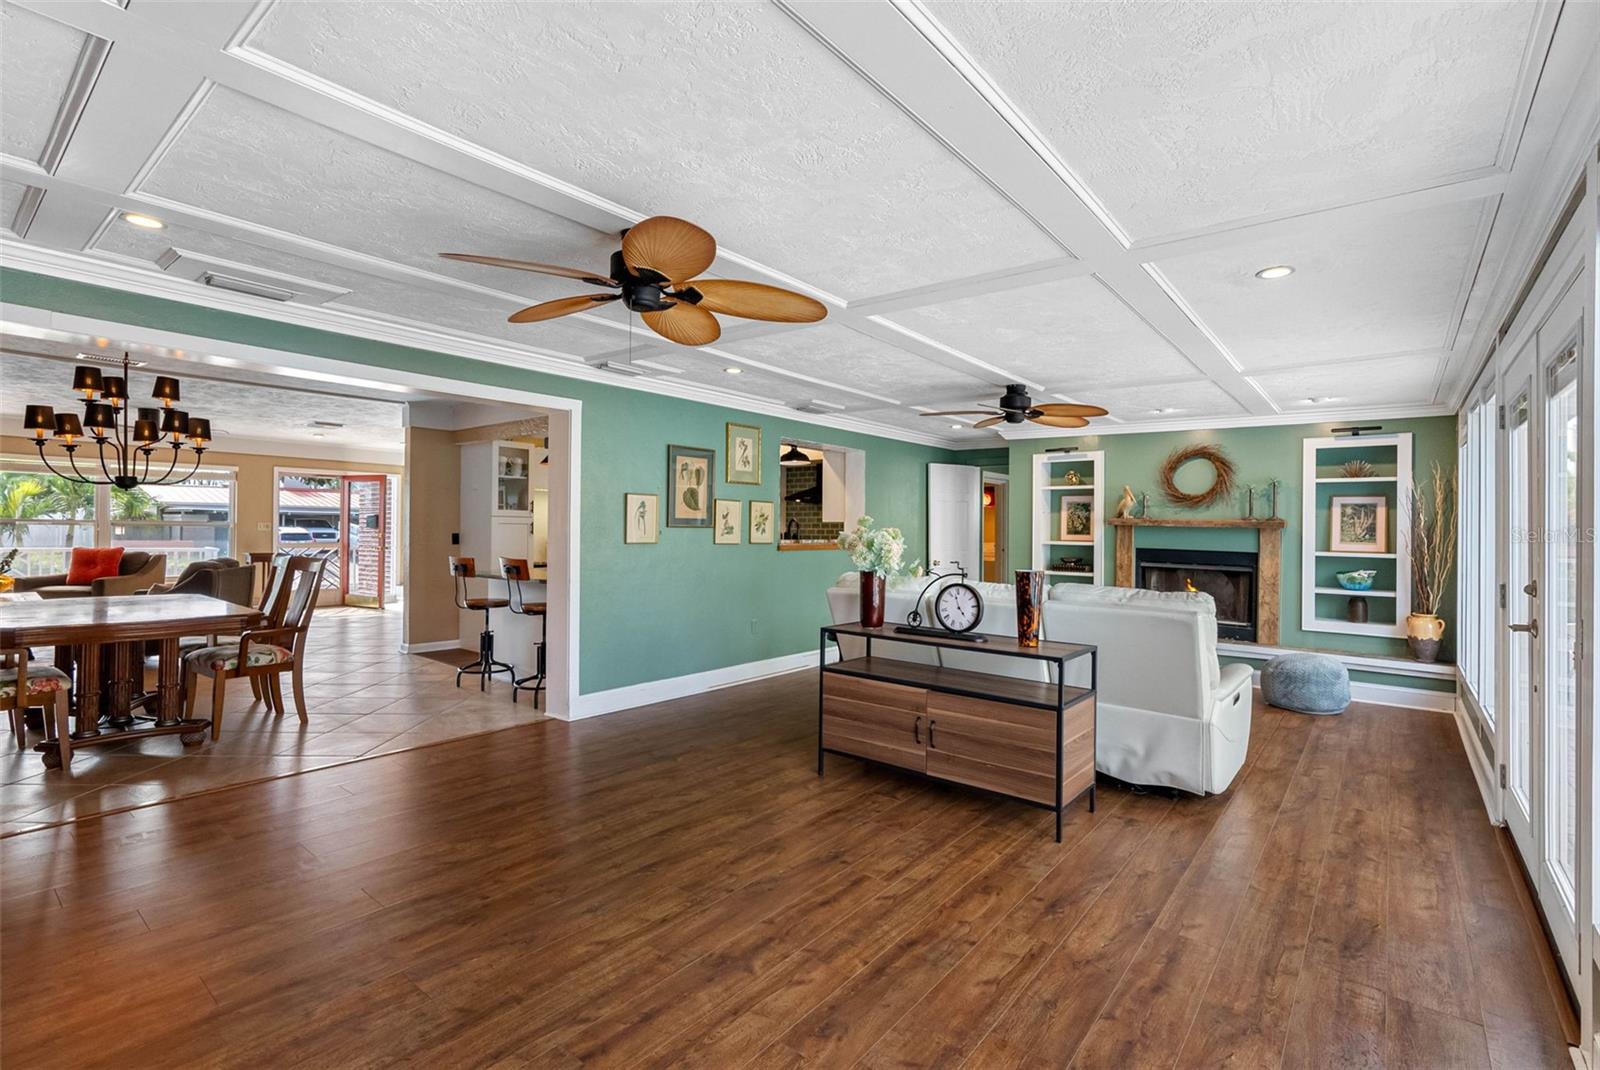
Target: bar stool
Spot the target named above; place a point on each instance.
(463, 569)
(515, 570)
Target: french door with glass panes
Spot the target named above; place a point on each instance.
(1544, 466)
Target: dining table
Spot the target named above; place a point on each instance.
(101, 642)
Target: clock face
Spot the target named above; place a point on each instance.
(958, 608)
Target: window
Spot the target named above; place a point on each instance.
(1476, 573)
(45, 515)
(821, 489)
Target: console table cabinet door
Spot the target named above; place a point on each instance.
(871, 719)
(992, 745)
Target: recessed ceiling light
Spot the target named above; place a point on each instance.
(957, 427)
(139, 219)
(1319, 401)
(734, 371)
(1276, 271)
(1162, 412)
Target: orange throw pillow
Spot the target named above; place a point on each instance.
(93, 563)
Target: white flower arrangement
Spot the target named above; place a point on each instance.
(880, 550)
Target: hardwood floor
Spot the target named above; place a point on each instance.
(674, 887)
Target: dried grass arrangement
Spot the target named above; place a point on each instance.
(1358, 469)
(1431, 540)
(1222, 482)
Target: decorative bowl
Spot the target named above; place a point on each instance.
(1358, 580)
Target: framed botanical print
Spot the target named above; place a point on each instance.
(1358, 525)
(763, 521)
(689, 486)
(743, 454)
(1077, 518)
(729, 518)
(641, 519)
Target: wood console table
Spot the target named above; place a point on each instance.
(1269, 561)
(1031, 740)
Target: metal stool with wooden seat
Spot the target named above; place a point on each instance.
(463, 569)
(515, 570)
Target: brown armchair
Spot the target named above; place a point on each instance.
(220, 577)
(138, 571)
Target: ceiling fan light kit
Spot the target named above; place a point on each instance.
(653, 274)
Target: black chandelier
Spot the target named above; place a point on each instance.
(124, 450)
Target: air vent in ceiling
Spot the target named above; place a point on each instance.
(619, 367)
(325, 423)
(243, 278)
(818, 407)
(219, 281)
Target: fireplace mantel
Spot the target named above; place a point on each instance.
(1269, 576)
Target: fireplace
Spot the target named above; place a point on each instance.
(1228, 577)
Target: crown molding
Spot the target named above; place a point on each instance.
(77, 267)
(1305, 416)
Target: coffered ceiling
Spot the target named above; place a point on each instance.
(1074, 196)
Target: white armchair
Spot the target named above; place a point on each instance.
(1168, 712)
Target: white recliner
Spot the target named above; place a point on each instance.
(1167, 712)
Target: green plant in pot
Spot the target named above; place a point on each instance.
(1431, 542)
(879, 553)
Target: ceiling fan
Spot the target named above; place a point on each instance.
(1016, 406)
(653, 274)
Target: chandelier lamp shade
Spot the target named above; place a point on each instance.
(123, 441)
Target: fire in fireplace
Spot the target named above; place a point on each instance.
(1228, 577)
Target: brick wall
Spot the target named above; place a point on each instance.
(809, 514)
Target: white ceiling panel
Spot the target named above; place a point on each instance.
(10, 200)
(1181, 116)
(1170, 401)
(37, 55)
(910, 420)
(839, 354)
(708, 370)
(251, 161)
(1387, 285)
(727, 114)
(1072, 334)
(1392, 381)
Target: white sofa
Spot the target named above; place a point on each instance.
(1167, 712)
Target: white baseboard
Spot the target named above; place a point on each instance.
(429, 648)
(1388, 695)
(1480, 762)
(634, 695)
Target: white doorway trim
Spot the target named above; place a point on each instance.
(566, 439)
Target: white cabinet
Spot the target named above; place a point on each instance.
(504, 502)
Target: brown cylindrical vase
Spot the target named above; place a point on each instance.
(1030, 599)
(872, 599)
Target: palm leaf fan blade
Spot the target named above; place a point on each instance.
(685, 324)
(673, 248)
(561, 306)
(757, 301)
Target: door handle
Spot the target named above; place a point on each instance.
(1531, 588)
(1532, 627)
(931, 744)
(916, 730)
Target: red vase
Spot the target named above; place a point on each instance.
(1030, 598)
(872, 597)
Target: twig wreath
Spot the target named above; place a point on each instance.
(1221, 482)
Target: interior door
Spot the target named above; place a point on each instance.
(955, 517)
(364, 527)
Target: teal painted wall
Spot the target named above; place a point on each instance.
(647, 613)
(1259, 454)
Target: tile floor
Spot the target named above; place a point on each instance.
(363, 698)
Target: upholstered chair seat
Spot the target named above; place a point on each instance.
(224, 657)
(42, 680)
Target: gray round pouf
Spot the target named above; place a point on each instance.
(1306, 683)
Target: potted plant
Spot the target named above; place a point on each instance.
(879, 553)
(1431, 541)
(7, 580)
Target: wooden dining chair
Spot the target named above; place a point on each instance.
(24, 684)
(264, 654)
